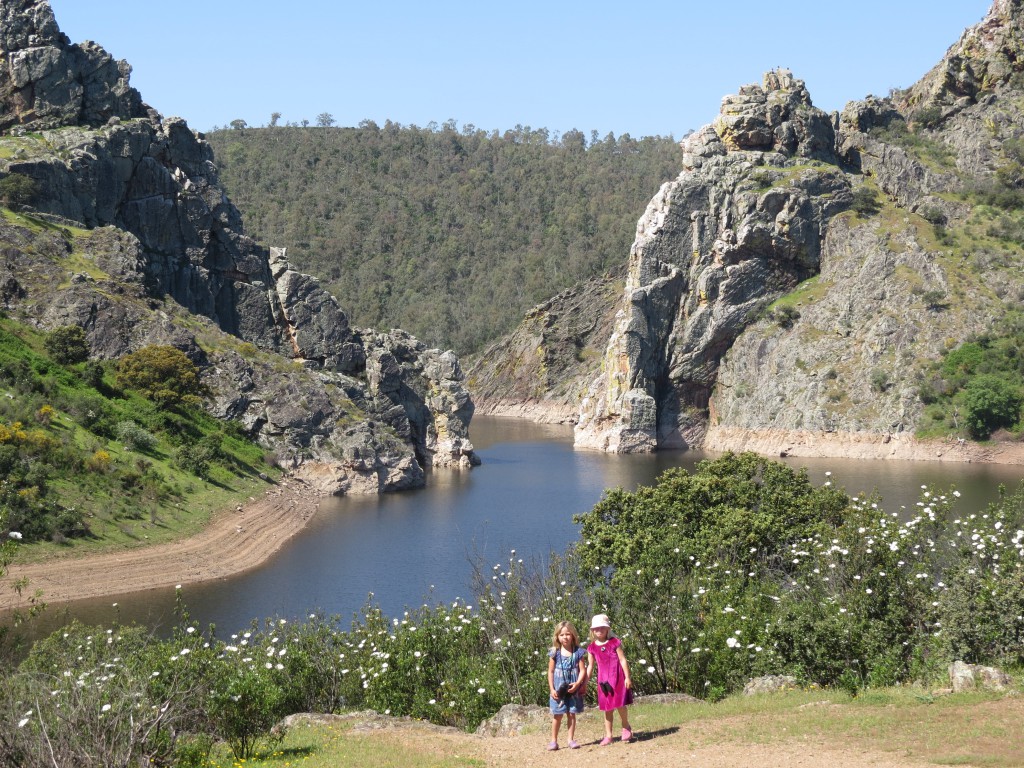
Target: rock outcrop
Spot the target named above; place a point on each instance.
(789, 289)
(154, 245)
(541, 370)
(742, 225)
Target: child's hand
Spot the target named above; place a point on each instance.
(629, 681)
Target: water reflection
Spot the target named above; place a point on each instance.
(418, 546)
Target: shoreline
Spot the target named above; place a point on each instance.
(859, 445)
(236, 540)
(244, 537)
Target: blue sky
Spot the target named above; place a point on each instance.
(650, 68)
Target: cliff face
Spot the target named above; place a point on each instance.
(741, 225)
(158, 246)
(803, 268)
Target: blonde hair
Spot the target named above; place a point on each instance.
(609, 636)
(555, 645)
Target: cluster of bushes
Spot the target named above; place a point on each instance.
(740, 568)
(978, 388)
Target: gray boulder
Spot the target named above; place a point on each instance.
(769, 684)
(968, 677)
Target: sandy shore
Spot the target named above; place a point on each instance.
(235, 541)
(859, 445)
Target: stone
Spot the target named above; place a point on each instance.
(769, 684)
(968, 677)
(513, 719)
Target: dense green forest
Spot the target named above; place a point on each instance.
(450, 234)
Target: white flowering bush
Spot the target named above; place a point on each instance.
(744, 567)
(741, 568)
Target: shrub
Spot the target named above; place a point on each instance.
(865, 201)
(134, 437)
(194, 458)
(67, 345)
(785, 316)
(16, 190)
(162, 374)
(990, 402)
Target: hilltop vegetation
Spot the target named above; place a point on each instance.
(451, 234)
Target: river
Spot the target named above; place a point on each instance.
(420, 546)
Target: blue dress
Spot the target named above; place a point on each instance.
(567, 670)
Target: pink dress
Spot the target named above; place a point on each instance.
(609, 670)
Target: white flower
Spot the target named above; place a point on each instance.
(651, 670)
(105, 708)
(481, 690)
(23, 722)
(732, 642)
(15, 535)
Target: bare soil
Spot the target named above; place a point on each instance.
(715, 742)
(235, 541)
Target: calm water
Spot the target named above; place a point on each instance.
(419, 546)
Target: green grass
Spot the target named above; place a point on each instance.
(138, 497)
(335, 745)
(977, 728)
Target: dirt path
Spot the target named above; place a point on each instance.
(710, 743)
(235, 541)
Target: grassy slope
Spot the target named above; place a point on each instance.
(140, 497)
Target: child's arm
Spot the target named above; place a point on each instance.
(551, 677)
(581, 678)
(625, 666)
(590, 664)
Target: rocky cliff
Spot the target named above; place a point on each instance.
(143, 246)
(803, 268)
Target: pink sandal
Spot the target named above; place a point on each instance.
(605, 741)
(627, 735)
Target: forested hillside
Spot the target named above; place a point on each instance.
(451, 234)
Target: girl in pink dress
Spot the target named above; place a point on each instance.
(614, 685)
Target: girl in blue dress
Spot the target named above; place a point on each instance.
(567, 681)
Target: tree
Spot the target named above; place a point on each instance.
(67, 345)
(239, 125)
(162, 374)
(990, 402)
(325, 120)
(16, 189)
(274, 117)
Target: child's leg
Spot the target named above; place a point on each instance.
(608, 722)
(570, 726)
(624, 717)
(556, 722)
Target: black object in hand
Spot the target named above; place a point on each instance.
(563, 691)
(607, 688)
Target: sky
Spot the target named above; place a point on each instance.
(657, 67)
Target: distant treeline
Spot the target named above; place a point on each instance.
(450, 234)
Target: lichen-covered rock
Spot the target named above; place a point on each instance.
(769, 684)
(864, 227)
(968, 677)
(46, 82)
